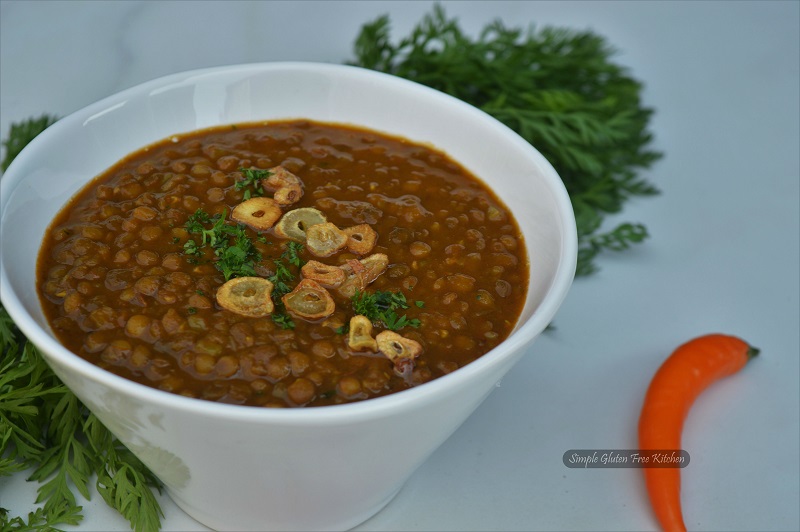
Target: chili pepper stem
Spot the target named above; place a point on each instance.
(752, 352)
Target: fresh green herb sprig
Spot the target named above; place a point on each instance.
(22, 133)
(44, 427)
(556, 88)
(382, 306)
(251, 184)
(236, 256)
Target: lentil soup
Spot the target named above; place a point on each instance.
(283, 264)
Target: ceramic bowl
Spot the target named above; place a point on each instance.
(245, 468)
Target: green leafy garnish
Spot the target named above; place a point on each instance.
(556, 88)
(251, 184)
(382, 306)
(283, 319)
(236, 256)
(123, 480)
(197, 222)
(281, 279)
(280, 282)
(21, 134)
(44, 427)
(292, 254)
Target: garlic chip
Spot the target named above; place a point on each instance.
(309, 300)
(360, 238)
(258, 213)
(287, 187)
(247, 296)
(400, 350)
(375, 265)
(326, 275)
(280, 177)
(323, 240)
(355, 278)
(295, 223)
(288, 195)
(360, 335)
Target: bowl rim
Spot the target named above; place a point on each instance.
(331, 414)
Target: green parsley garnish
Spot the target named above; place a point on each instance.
(292, 254)
(236, 256)
(280, 282)
(251, 184)
(282, 319)
(382, 306)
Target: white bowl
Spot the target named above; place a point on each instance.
(246, 468)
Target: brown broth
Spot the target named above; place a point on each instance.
(119, 290)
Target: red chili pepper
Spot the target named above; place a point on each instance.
(681, 378)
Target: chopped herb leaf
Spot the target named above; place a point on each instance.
(251, 184)
(291, 254)
(281, 279)
(236, 256)
(283, 320)
(381, 306)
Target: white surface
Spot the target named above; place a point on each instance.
(724, 254)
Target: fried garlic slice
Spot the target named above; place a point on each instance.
(355, 278)
(279, 177)
(360, 336)
(360, 238)
(287, 187)
(323, 240)
(360, 273)
(400, 350)
(309, 300)
(258, 213)
(295, 223)
(326, 275)
(247, 296)
(375, 265)
(288, 195)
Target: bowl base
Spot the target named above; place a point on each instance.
(304, 523)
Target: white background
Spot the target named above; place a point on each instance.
(723, 255)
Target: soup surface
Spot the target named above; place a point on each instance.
(283, 264)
